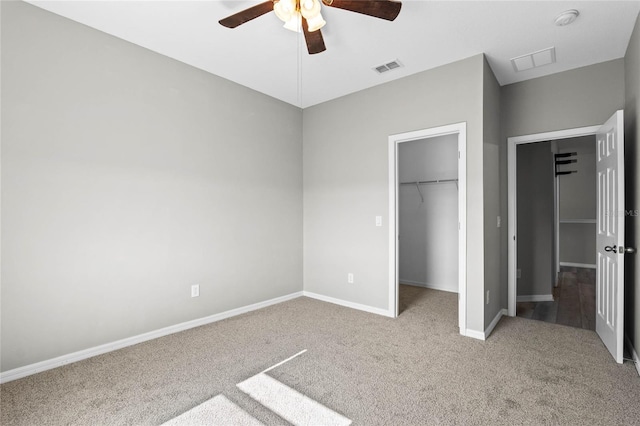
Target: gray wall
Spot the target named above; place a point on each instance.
(346, 180)
(577, 195)
(578, 243)
(581, 97)
(126, 178)
(535, 218)
(632, 138)
(428, 244)
(577, 201)
(491, 176)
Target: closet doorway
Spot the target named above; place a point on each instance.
(610, 224)
(427, 210)
(556, 226)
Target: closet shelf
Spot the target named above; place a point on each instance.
(577, 221)
(429, 182)
(426, 182)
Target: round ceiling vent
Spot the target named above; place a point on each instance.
(566, 17)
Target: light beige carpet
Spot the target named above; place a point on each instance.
(218, 411)
(413, 370)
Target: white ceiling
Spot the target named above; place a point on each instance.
(264, 56)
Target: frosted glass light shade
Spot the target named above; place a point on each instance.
(309, 8)
(295, 23)
(285, 9)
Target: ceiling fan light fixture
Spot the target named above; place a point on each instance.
(303, 16)
(316, 23)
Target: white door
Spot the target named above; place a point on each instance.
(610, 237)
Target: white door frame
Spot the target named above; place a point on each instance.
(394, 140)
(512, 142)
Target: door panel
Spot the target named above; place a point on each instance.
(610, 237)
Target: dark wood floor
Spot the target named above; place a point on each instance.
(574, 301)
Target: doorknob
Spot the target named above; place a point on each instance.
(626, 250)
(610, 248)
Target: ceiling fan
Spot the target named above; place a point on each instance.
(304, 15)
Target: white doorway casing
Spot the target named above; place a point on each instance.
(394, 140)
(512, 143)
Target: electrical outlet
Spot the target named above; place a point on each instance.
(350, 278)
(518, 273)
(378, 220)
(488, 291)
(195, 290)
(499, 222)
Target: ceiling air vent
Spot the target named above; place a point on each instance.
(534, 60)
(381, 69)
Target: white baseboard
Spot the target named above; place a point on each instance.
(496, 320)
(473, 334)
(27, 370)
(634, 354)
(482, 335)
(450, 289)
(579, 265)
(535, 298)
(366, 308)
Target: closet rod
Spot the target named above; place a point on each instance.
(424, 182)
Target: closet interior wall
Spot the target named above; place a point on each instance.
(577, 203)
(428, 212)
(535, 220)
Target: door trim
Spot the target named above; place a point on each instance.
(512, 142)
(394, 140)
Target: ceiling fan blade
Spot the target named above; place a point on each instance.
(383, 9)
(247, 14)
(315, 41)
